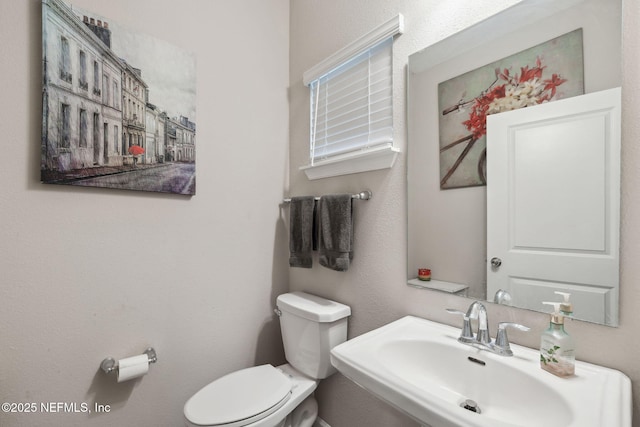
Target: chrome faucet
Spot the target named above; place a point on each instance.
(478, 311)
(482, 338)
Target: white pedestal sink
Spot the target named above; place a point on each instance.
(419, 367)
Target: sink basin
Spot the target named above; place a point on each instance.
(419, 367)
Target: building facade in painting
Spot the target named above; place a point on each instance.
(93, 101)
(185, 139)
(155, 135)
(134, 101)
(82, 112)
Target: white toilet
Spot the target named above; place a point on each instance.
(268, 396)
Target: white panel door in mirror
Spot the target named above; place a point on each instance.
(553, 200)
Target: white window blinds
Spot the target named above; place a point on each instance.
(351, 100)
(352, 105)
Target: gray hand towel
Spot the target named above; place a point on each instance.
(335, 231)
(301, 231)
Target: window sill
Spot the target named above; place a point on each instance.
(381, 158)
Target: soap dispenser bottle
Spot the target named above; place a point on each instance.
(556, 346)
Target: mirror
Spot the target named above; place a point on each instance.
(447, 231)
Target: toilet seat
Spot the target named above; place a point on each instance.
(239, 398)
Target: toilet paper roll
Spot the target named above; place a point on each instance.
(132, 367)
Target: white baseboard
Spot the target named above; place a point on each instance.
(320, 423)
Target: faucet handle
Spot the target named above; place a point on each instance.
(502, 340)
(504, 325)
(454, 311)
(466, 335)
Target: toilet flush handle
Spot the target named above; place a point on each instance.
(277, 311)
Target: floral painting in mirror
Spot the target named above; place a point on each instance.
(543, 73)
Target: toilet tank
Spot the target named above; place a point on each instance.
(311, 326)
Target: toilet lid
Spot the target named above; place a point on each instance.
(239, 398)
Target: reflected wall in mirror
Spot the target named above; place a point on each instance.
(447, 229)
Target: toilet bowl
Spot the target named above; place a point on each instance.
(260, 396)
(268, 396)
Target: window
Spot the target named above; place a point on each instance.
(105, 90)
(116, 95)
(116, 147)
(96, 135)
(105, 142)
(351, 107)
(65, 60)
(83, 128)
(65, 123)
(84, 84)
(96, 78)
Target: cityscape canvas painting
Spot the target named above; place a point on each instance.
(543, 73)
(118, 106)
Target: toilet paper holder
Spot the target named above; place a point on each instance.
(109, 364)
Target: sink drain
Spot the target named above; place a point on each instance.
(470, 405)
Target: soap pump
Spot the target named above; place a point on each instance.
(566, 308)
(556, 346)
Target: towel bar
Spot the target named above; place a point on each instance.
(363, 195)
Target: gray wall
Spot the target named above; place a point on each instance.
(91, 273)
(375, 286)
(206, 270)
